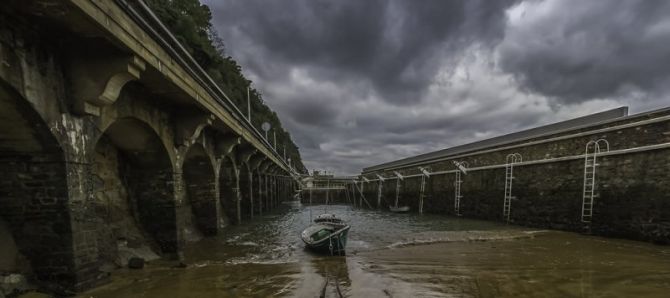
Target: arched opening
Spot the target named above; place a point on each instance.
(134, 192)
(35, 225)
(228, 188)
(246, 186)
(200, 186)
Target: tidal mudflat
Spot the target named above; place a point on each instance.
(406, 255)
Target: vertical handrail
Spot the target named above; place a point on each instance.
(421, 193)
(397, 191)
(457, 194)
(422, 190)
(510, 160)
(462, 167)
(327, 190)
(379, 193)
(593, 148)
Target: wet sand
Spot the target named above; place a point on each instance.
(553, 264)
(425, 257)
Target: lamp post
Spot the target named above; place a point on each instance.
(248, 105)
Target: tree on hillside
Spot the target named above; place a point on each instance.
(190, 22)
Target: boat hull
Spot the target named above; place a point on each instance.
(399, 209)
(334, 244)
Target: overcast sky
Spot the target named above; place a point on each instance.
(358, 83)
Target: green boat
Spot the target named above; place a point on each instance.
(326, 237)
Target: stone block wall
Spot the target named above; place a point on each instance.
(246, 193)
(34, 204)
(228, 188)
(203, 198)
(319, 197)
(633, 188)
(152, 190)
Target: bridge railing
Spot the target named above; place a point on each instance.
(145, 18)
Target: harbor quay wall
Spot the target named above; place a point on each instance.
(632, 181)
(339, 196)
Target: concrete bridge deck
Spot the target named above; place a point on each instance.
(112, 139)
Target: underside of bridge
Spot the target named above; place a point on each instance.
(133, 179)
(110, 151)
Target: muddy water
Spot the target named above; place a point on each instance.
(391, 255)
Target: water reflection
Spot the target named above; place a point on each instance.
(335, 274)
(407, 255)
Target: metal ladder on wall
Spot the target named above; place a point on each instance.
(397, 187)
(379, 190)
(593, 148)
(462, 166)
(422, 189)
(509, 181)
(422, 193)
(457, 194)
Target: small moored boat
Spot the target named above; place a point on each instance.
(327, 235)
(399, 209)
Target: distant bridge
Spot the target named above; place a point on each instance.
(329, 189)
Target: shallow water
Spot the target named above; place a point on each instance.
(401, 255)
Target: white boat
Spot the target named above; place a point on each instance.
(399, 209)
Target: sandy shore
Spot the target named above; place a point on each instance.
(526, 264)
(501, 263)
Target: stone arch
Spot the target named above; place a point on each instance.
(200, 186)
(229, 189)
(133, 186)
(131, 104)
(33, 192)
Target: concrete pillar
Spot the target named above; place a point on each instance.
(238, 197)
(273, 186)
(251, 193)
(266, 179)
(282, 189)
(260, 194)
(275, 189)
(200, 190)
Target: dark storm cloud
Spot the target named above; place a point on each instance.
(310, 111)
(591, 49)
(359, 83)
(393, 44)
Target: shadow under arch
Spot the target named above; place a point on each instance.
(246, 191)
(201, 192)
(229, 185)
(135, 175)
(33, 192)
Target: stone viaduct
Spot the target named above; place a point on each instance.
(111, 136)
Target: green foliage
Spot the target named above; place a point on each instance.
(190, 22)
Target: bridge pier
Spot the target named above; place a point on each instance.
(34, 191)
(106, 154)
(229, 189)
(201, 189)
